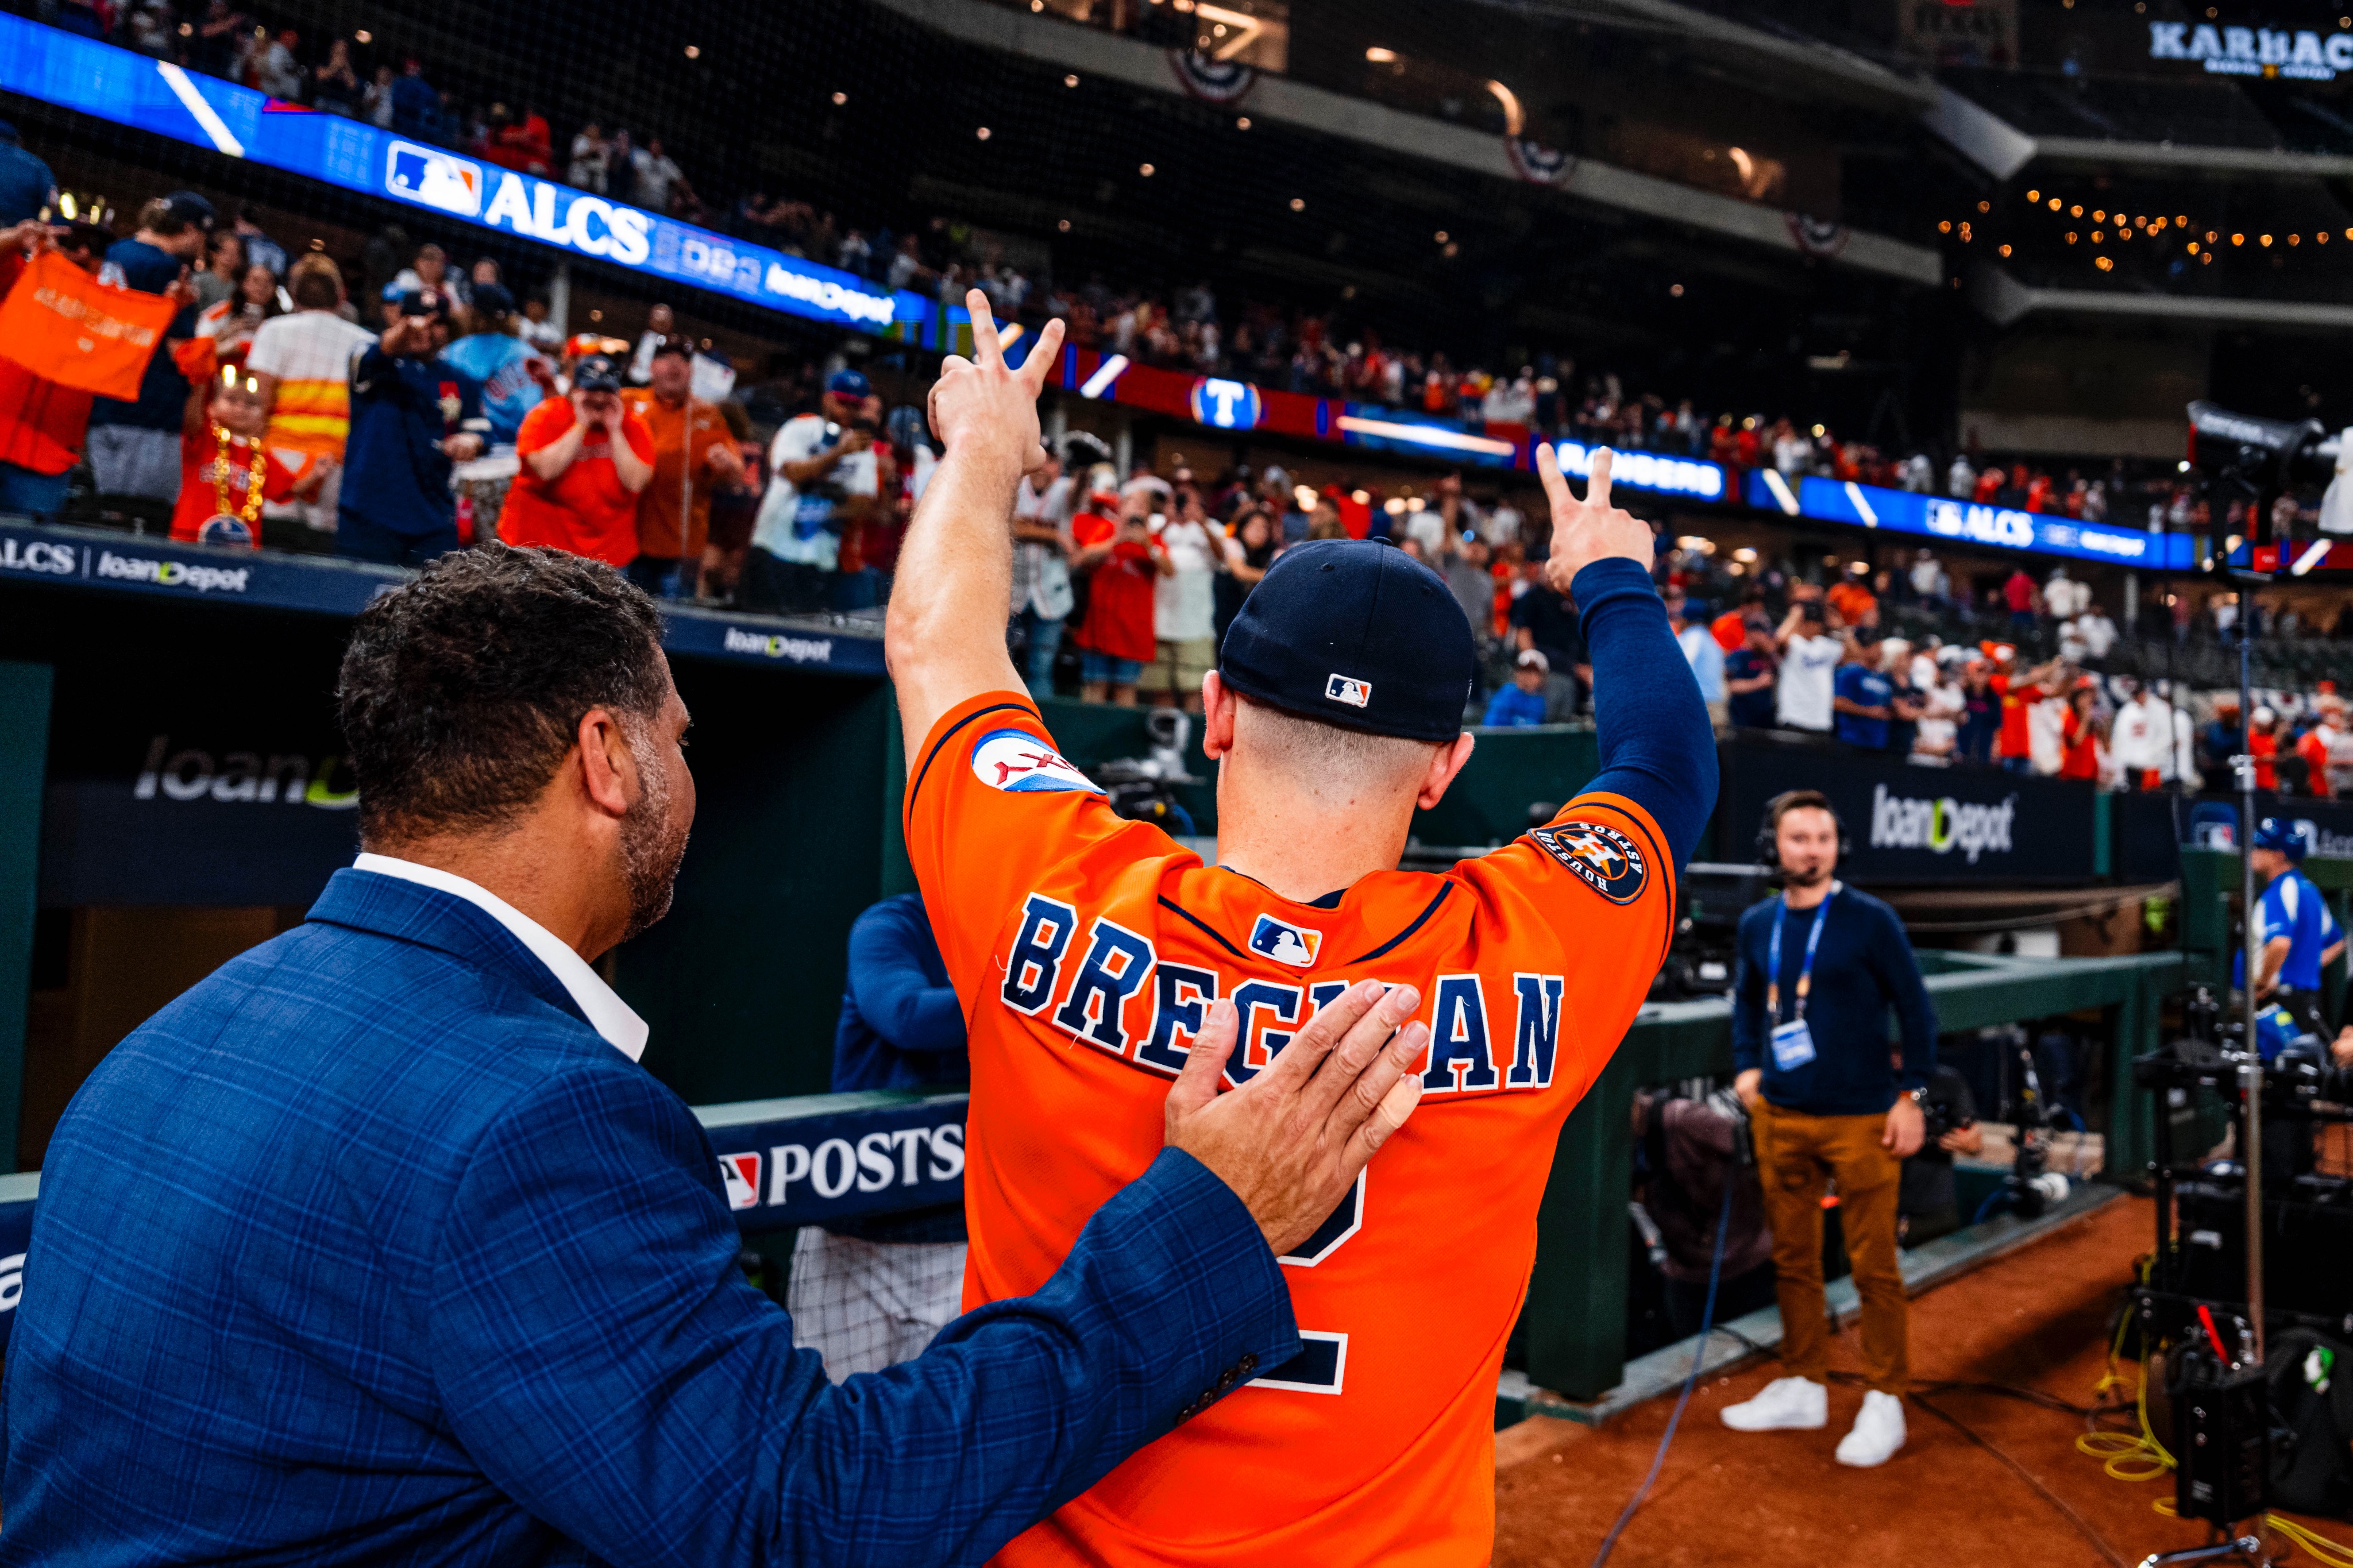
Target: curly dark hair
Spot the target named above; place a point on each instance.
(461, 691)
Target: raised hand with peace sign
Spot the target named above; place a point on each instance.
(1584, 532)
(944, 635)
(983, 405)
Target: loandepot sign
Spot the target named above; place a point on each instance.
(1940, 826)
(2252, 51)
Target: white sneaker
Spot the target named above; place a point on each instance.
(1785, 1404)
(1878, 1432)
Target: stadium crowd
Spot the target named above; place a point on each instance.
(1328, 352)
(469, 418)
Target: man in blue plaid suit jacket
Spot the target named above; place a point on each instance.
(379, 1246)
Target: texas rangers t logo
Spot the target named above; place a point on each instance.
(1019, 762)
(1603, 859)
(1285, 943)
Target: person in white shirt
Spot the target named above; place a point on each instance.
(1809, 661)
(657, 175)
(1184, 608)
(1937, 732)
(1042, 599)
(2064, 598)
(822, 466)
(2095, 631)
(1929, 581)
(2137, 740)
(1960, 479)
(660, 325)
(1919, 474)
(587, 169)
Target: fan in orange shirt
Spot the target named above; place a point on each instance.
(1088, 951)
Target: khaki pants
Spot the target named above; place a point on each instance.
(1796, 1155)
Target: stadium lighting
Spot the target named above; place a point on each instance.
(1380, 57)
(1675, 291)
(2033, 196)
(1063, 225)
(1144, 170)
(1072, 79)
(1299, 205)
(839, 98)
(361, 37)
(1441, 237)
(693, 51)
(1745, 556)
(2005, 251)
(1514, 119)
(982, 134)
(1242, 123)
(1432, 435)
(2264, 240)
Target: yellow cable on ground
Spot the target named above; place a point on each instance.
(2140, 1457)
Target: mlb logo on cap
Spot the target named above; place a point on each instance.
(741, 1172)
(1285, 943)
(1355, 693)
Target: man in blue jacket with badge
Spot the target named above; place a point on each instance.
(1818, 967)
(378, 1244)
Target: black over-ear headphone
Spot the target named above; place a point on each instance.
(1769, 845)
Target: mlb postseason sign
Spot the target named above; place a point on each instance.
(837, 1156)
(2303, 56)
(157, 96)
(1908, 824)
(1967, 523)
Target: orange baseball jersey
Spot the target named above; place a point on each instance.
(1086, 949)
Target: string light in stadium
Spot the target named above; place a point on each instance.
(1072, 79)
(839, 98)
(693, 52)
(983, 134)
(1298, 204)
(1146, 170)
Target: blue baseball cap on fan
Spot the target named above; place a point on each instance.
(2287, 838)
(1354, 633)
(848, 384)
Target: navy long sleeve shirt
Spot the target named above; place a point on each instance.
(1864, 967)
(902, 1026)
(1658, 748)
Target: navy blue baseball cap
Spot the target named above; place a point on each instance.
(2285, 836)
(1357, 633)
(848, 384)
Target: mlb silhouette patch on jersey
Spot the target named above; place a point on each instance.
(1285, 943)
(1604, 859)
(1016, 760)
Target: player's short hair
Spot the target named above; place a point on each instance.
(1312, 751)
(461, 692)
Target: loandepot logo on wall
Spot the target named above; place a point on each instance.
(1940, 826)
(801, 650)
(284, 778)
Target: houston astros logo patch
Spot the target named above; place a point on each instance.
(1018, 763)
(1605, 859)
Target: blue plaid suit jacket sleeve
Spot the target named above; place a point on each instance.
(601, 1356)
(439, 1276)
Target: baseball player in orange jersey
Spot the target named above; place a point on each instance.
(1095, 959)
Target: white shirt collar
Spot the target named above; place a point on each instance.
(607, 1014)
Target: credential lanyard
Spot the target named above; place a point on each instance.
(1806, 968)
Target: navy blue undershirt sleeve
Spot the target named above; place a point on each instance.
(1658, 748)
(899, 982)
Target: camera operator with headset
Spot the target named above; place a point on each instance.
(1818, 969)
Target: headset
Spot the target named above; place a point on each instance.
(1769, 848)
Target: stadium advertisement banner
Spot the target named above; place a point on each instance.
(2225, 50)
(158, 96)
(16, 1198)
(265, 580)
(1967, 523)
(1907, 824)
(1220, 403)
(837, 1157)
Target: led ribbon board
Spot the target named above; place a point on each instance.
(1967, 523)
(157, 96)
(1219, 404)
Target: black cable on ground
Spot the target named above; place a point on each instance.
(1699, 1357)
(2082, 1526)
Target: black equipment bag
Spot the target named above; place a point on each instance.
(2311, 1377)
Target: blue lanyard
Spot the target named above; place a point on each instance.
(1806, 968)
